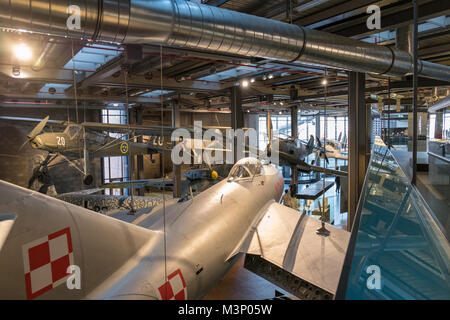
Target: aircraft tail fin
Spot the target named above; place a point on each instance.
(46, 236)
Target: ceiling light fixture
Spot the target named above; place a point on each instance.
(22, 52)
(16, 71)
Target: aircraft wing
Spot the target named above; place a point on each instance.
(53, 122)
(82, 192)
(303, 166)
(288, 239)
(337, 156)
(143, 129)
(125, 128)
(136, 184)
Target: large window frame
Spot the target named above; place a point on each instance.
(115, 169)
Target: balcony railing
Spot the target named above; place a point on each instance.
(398, 249)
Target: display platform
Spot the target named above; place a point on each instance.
(315, 190)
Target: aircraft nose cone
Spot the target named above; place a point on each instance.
(36, 142)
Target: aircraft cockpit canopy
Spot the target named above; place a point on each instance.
(72, 130)
(245, 168)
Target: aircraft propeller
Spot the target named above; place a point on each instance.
(36, 130)
(322, 154)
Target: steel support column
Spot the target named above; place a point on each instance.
(317, 127)
(294, 133)
(131, 157)
(139, 158)
(358, 141)
(176, 168)
(237, 114)
(439, 124)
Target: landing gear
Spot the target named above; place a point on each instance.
(88, 179)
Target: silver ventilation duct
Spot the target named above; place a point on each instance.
(403, 38)
(50, 49)
(191, 25)
(439, 105)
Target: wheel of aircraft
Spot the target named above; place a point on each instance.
(88, 179)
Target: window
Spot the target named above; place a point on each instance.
(246, 168)
(446, 134)
(239, 171)
(432, 127)
(72, 131)
(115, 168)
(337, 125)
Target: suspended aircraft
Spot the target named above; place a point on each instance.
(333, 148)
(50, 249)
(94, 139)
(192, 181)
(293, 152)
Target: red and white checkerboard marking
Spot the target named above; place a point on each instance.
(279, 187)
(174, 288)
(45, 262)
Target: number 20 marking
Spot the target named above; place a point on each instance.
(61, 141)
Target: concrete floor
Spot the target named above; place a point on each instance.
(241, 284)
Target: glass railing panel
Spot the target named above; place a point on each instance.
(400, 250)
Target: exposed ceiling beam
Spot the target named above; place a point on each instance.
(395, 19)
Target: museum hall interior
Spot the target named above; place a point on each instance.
(224, 150)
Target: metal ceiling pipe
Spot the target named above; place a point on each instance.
(50, 49)
(439, 105)
(188, 24)
(403, 38)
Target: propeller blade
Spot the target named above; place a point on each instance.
(314, 161)
(318, 142)
(23, 144)
(38, 128)
(326, 158)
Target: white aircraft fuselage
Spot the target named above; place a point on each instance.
(200, 236)
(181, 254)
